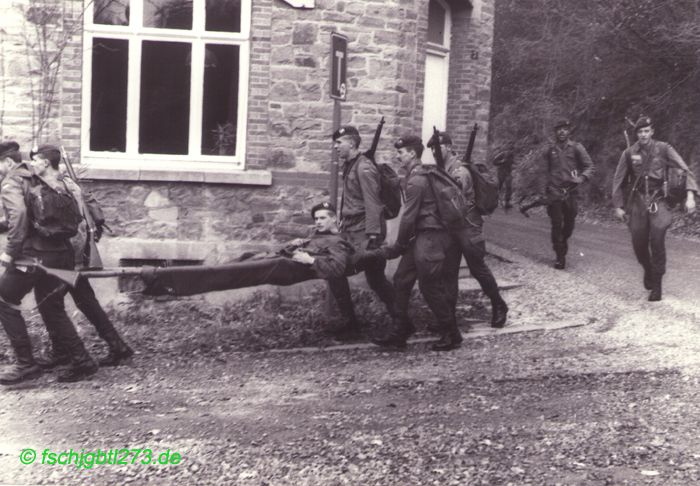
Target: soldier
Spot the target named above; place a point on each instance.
(647, 210)
(27, 240)
(504, 164)
(83, 294)
(568, 166)
(430, 253)
(325, 255)
(363, 225)
(471, 237)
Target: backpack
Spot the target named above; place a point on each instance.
(52, 213)
(485, 188)
(449, 198)
(390, 192)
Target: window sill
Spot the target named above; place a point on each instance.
(156, 174)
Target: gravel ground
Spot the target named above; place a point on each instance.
(613, 401)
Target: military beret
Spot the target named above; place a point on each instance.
(48, 151)
(347, 130)
(444, 137)
(642, 122)
(324, 205)
(7, 148)
(408, 141)
(563, 122)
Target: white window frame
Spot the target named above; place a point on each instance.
(107, 163)
(444, 48)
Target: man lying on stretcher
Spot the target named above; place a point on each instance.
(324, 255)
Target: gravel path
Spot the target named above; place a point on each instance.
(611, 402)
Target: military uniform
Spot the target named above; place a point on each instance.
(473, 245)
(83, 294)
(431, 257)
(364, 226)
(504, 166)
(565, 162)
(24, 242)
(641, 172)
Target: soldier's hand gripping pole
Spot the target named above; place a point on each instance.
(68, 276)
(95, 261)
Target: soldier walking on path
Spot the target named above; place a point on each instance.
(430, 253)
(83, 294)
(504, 161)
(643, 173)
(471, 236)
(567, 166)
(46, 238)
(363, 225)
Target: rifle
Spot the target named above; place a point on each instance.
(470, 146)
(93, 253)
(437, 149)
(375, 141)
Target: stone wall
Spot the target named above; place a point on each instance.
(289, 116)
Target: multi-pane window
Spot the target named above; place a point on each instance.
(166, 78)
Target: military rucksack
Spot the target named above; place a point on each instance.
(449, 198)
(485, 188)
(53, 213)
(390, 192)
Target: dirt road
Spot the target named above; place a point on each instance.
(613, 401)
(602, 255)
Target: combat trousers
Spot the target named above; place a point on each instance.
(473, 246)
(505, 179)
(86, 301)
(436, 255)
(431, 260)
(562, 214)
(373, 267)
(648, 231)
(49, 293)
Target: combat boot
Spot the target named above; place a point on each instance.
(348, 331)
(25, 369)
(449, 341)
(53, 358)
(655, 293)
(499, 313)
(119, 352)
(560, 262)
(82, 366)
(401, 328)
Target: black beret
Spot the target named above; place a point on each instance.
(408, 141)
(643, 122)
(47, 151)
(324, 205)
(347, 130)
(6, 148)
(444, 137)
(563, 122)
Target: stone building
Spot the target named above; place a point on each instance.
(205, 124)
